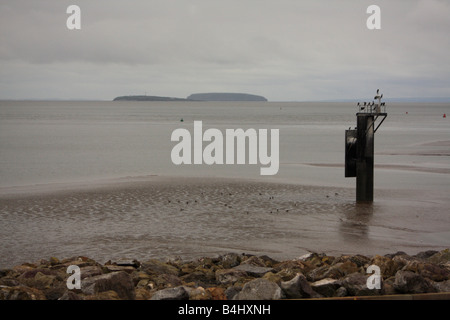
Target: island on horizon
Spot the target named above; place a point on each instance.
(219, 96)
(222, 96)
(147, 98)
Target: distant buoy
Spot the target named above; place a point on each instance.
(406, 112)
(181, 120)
(444, 116)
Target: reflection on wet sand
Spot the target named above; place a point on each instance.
(354, 224)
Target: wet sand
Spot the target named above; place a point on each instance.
(163, 217)
(389, 167)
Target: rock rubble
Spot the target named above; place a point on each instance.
(229, 277)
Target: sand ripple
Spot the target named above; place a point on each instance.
(197, 217)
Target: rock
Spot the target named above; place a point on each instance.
(203, 277)
(326, 287)
(90, 271)
(4, 272)
(259, 289)
(291, 267)
(128, 263)
(144, 283)
(104, 295)
(119, 282)
(115, 268)
(356, 285)
(205, 263)
(231, 292)
(388, 286)
(178, 293)
(442, 257)
(229, 276)
(305, 257)
(69, 295)
(21, 293)
(253, 270)
(156, 266)
(298, 288)
(328, 260)
(162, 281)
(317, 274)
(29, 274)
(268, 261)
(198, 293)
(398, 254)
(388, 266)
(427, 270)
(360, 260)
(43, 281)
(341, 269)
(230, 260)
(9, 282)
(76, 261)
(443, 286)
(410, 282)
(24, 268)
(341, 292)
(143, 294)
(217, 293)
(54, 261)
(425, 254)
(273, 277)
(40, 281)
(315, 261)
(254, 261)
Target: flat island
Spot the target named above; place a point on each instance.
(147, 98)
(225, 97)
(197, 97)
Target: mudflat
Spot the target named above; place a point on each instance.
(166, 217)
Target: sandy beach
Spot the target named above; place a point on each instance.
(167, 217)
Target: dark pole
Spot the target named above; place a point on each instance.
(364, 158)
(359, 148)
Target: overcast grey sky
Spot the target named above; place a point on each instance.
(282, 49)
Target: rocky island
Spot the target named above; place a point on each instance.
(196, 97)
(147, 98)
(221, 96)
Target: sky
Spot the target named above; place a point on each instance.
(284, 50)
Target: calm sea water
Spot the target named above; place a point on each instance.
(46, 142)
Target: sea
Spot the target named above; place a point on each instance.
(47, 144)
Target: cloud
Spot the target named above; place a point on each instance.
(285, 50)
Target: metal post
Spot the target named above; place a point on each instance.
(364, 159)
(359, 152)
